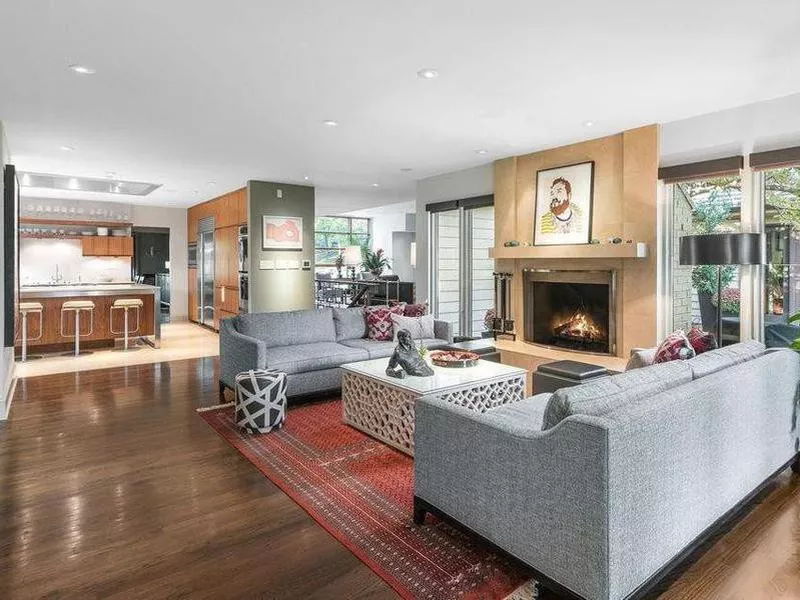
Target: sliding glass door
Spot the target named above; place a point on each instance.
(461, 271)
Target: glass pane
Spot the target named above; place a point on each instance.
(702, 207)
(332, 224)
(447, 240)
(482, 284)
(782, 277)
(360, 225)
(325, 256)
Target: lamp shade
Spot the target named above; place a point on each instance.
(352, 256)
(724, 249)
(413, 254)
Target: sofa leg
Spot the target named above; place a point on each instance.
(796, 464)
(420, 510)
(222, 391)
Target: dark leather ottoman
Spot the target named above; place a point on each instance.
(564, 373)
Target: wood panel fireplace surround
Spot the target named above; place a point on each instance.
(571, 310)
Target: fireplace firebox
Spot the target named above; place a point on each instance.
(573, 310)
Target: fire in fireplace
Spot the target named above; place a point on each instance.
(570, 309)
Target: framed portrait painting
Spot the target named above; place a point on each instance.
(281, 233)
(563, 209)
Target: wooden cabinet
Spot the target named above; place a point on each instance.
(241, 206)
(107, 246)
(193, 316)
(226, 256)
(228, 210)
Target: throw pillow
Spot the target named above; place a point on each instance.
(416, 310)
(379, 322)
(701, 341)
(420, 328)
(676, 346)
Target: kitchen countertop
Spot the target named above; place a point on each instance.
(97, 289)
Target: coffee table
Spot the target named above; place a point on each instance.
(384, 407)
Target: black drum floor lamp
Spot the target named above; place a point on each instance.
(721, 250)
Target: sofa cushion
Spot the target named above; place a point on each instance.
(641, 357)
(303, 358)
(289, 328)
(415, 310)
(379, 321)
(419, 327)
(350, 323)
(676, 346)
(604, 394)
(378, 349)
(727, 356)
(701, 341)
(521, 417)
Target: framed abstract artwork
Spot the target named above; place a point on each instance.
(563, 208)
(281, 233)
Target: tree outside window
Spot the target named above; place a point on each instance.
(333, 234)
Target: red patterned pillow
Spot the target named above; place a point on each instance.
(415, 310)
(701, 341)
(676, 346)
(379, 321)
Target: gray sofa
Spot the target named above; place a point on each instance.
(308, 345)
(603, 488)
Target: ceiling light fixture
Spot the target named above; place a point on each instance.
(82, 69)
(67, 148)
(330, 123)
(406, 170)
(588, 124)
(481, 151)
(110, 174)
(427, 73)
(212, 183)
(306, 177)
(376, 185)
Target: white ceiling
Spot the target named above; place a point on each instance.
(192, 91)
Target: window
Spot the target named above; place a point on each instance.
(462, 283)
(781, 197)
(332, 234)
(706, 206)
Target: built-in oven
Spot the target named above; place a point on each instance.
(192, 255)
(244, 292)
(244, 267)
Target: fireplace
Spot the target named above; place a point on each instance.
(573, 310)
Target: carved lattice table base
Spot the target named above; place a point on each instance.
(385, 409)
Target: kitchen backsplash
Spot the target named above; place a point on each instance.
(38, 259)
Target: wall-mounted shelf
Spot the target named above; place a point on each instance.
(73, 223)
(585, 251)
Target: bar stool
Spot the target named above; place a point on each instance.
(126, 304)
(78, 306)
(25, 308)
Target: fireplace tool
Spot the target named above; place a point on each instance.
(503, 324)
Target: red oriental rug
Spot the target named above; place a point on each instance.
(361, 492)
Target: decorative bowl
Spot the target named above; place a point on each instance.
(454, 359)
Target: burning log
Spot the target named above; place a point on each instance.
(579, 327)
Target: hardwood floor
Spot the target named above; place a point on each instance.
(112, 486)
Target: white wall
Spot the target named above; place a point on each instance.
(175, 219)
(477, 181)
(755, 127)
(385, 221)
(7, 354)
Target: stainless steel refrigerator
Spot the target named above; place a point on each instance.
(205, 270)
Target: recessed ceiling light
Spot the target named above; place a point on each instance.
(306, 177)
(195, 192)
(406, 170)
(427, 73)
(212, 182)
(375, 185)
(67, 148)
(330, 123)
(82, 69)
(110, 174)
(481, 151)
(171, 190)
(588, 124)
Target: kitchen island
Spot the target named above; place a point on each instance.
(103, 296)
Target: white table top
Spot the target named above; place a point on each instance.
(443, 379)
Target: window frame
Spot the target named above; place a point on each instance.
(351, 235)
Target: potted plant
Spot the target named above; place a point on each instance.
(775, 288)
(375, 262)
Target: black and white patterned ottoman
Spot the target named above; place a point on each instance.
(260, 400)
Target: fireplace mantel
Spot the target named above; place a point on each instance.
(585, 251)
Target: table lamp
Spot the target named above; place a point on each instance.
(720, 250)
(352, 258)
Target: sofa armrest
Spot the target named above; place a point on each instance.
(443, 331)
(540, 495)
(238, 352)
